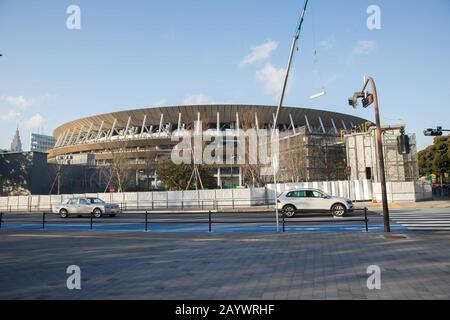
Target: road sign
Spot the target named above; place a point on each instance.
(432, 178)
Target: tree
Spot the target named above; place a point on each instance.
(15, 173)
(176, 177)
(252, 169)
(119, 168)
(435, 158)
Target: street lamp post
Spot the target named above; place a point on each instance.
(367, 100)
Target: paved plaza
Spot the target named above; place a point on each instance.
(224, 265)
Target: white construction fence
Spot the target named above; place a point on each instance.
(362, 190)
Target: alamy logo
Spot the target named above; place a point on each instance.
(374, 20)
(374, 280)
(74, 280)
(73, 22)
(251, 146)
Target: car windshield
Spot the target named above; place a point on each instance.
(96, 201)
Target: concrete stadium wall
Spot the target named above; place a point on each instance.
(360, 190)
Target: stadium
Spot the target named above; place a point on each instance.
(310, 140)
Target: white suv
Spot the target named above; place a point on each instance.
(312, 200)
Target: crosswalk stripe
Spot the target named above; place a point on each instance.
(426, 225)
(434, 229)
(419, 216)
(422, 221)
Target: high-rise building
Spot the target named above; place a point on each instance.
(16, 144)
(41, 142)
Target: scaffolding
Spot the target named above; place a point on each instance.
(311, 156)
(399, 167)
(363, 161)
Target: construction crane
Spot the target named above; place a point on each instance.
(293, 46)
(280, 104)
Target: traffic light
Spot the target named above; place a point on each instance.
(433, 132)
(367, 101)
(403, 144)
(353, 102)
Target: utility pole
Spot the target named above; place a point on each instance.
(280, 104)
(367, 100)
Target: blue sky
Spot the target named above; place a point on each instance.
(147, 53)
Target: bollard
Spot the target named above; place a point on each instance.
(92, 219)
(1, 219)
(210, 222)
(43, 220)
(284, 222)
(146, 221)
(365, 220)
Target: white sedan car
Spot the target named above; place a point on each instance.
(86, 206)
(312, 200)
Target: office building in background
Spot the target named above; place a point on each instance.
(41, 143)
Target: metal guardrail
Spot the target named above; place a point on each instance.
(148, 221)
(183, 204)
(365, 220)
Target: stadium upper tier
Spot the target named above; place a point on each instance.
(154, 126)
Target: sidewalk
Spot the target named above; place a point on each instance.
(233, 265)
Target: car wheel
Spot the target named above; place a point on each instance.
(289, 210)
(63, 213)
(338, 210)
(97, 213)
